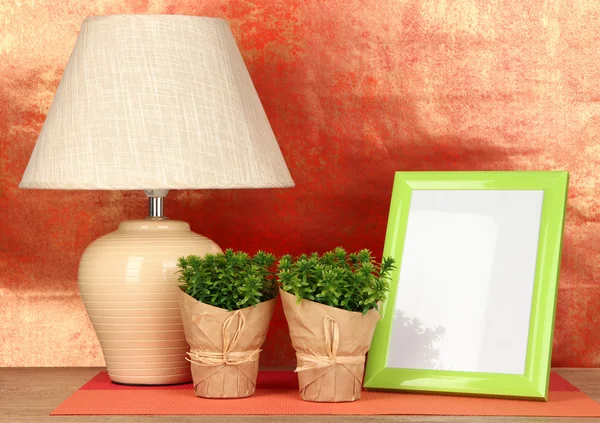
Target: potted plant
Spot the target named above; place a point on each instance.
(331, 303)
(226, 303)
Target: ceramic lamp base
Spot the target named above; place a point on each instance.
(127, 282)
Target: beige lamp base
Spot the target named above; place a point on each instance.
(127, 282)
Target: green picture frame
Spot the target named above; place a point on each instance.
(533, 384)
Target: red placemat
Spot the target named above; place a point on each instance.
(277, 394)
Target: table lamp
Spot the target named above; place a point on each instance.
(153, 103)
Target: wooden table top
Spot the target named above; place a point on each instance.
(30, 394)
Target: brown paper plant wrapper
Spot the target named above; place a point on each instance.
(224, 346)
(330, 345)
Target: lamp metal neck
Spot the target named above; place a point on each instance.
(156, 204)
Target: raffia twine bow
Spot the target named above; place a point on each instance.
(332, 340)
(227, 356)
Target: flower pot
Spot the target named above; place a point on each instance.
(224, 346)
(330, 345)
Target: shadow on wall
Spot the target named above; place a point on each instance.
(416, 344)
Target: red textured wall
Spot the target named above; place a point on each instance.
(354, 90)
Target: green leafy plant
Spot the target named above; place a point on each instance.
(229, 280)
(350, 281)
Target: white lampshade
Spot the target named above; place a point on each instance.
(156, 102)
